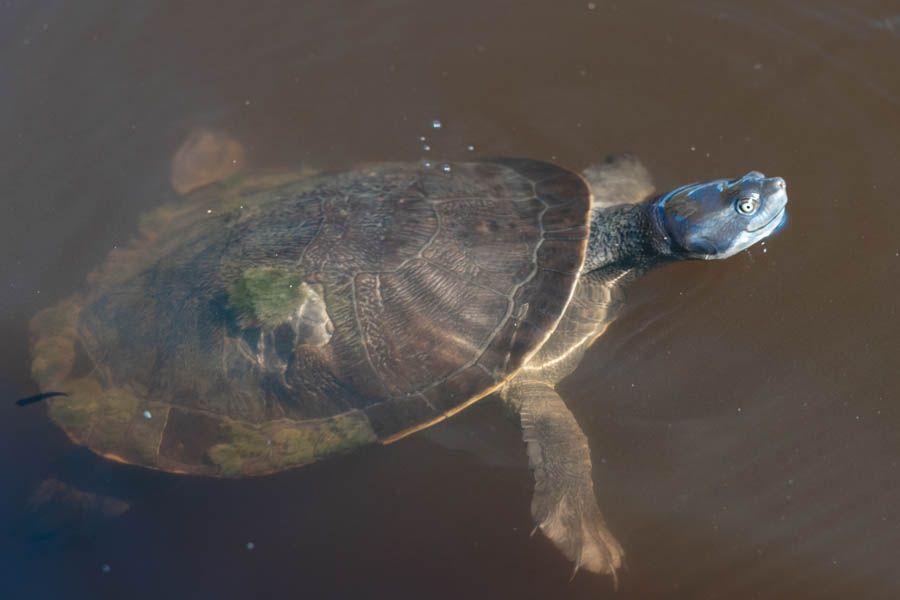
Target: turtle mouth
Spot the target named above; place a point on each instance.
(774, 218)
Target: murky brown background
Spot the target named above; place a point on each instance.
(743, 415)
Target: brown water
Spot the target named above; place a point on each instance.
(743, 415)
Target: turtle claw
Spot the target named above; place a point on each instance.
(614, 573)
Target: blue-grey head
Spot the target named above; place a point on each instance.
(717, 219)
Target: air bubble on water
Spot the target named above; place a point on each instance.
(436, 124)
(209, 211)
(250, 545)
(427, 164)
(470, 148)
(426, 147)
(148, 414)
(105, 568)
(445, 168)
(421, 138)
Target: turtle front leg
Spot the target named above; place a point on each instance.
(563, 506)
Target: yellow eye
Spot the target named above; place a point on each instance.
(747, 206)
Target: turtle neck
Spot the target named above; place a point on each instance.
(626, 236)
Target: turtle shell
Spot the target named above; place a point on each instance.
(273, 321)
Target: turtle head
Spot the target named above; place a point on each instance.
(717, 219)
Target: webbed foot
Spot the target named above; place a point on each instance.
(572, 520)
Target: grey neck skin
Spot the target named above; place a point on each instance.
(626, 237)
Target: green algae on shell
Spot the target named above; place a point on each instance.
(268, 295)
(287, 443)
(111, 420)
(53, 334)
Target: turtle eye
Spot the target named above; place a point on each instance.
(747, 205)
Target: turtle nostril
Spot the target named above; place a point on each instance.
(779, 183)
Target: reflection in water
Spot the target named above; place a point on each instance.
(743, 448)
(58, 508)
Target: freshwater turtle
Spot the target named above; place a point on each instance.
(271, 321)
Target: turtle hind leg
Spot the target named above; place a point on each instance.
(205, 157)
(564, 507)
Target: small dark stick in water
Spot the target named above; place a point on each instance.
(38, 398)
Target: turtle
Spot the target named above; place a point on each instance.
(269, 321)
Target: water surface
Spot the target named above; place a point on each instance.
(742, 415)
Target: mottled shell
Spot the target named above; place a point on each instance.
(268, 323)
